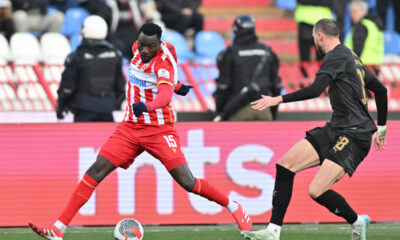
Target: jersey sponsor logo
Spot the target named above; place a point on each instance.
(163, 73)
(136, 81)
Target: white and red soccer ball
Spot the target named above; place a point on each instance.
(128, 229)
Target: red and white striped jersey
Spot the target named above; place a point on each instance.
(144, 79)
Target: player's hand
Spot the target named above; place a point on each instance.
(380, 138)
(138, 108)
(184, 89)
(265, 102)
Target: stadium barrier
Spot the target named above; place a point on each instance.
(41, 164)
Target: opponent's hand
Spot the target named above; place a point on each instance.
(380, 138)
(138, 108)
(265, 102)
(183, 89)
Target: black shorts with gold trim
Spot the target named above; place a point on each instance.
(345, 149)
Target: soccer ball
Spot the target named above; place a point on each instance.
(128, 229)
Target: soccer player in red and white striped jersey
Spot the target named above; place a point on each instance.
(145, 78)
(147, 126)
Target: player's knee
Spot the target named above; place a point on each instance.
(100, 168)
(286, 163)
(314, 191)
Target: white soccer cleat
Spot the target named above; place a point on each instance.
(47, 231)
(359, 231)
(262, 234)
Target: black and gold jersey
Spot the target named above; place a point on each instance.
(347, 92)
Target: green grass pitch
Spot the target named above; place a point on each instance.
(386, 231)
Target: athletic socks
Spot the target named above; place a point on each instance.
(282, 194)
(337, 205)
(232, 206)
(274, 229)
(205, 189)
(357, 222)
(61, 226)
(80, 196)
(87, 185)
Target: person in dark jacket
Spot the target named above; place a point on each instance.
(248, 69)
(99, 8)
(125, 24)
(181, 15)
(366, 36)
(6, 23)
(92, 84)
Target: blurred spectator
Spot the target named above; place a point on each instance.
(382, 7)
(6, 24)
(99, 8)
(150, 11)
(248, 69)
(32, 15)
(125, 23)
(63, 5)
(366, 36)
(306, 14)
(92, 84)
(181, 15)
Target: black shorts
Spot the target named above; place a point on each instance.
(347, 150)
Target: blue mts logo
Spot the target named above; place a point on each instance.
(136, 81)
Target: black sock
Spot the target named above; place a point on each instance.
(282, 194)
(337, 205)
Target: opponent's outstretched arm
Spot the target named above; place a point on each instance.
(314, 90)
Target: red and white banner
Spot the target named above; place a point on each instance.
(40, 165)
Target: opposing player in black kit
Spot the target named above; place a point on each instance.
(340, 145)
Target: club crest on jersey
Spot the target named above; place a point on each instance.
(136, 81)
(163, 73)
